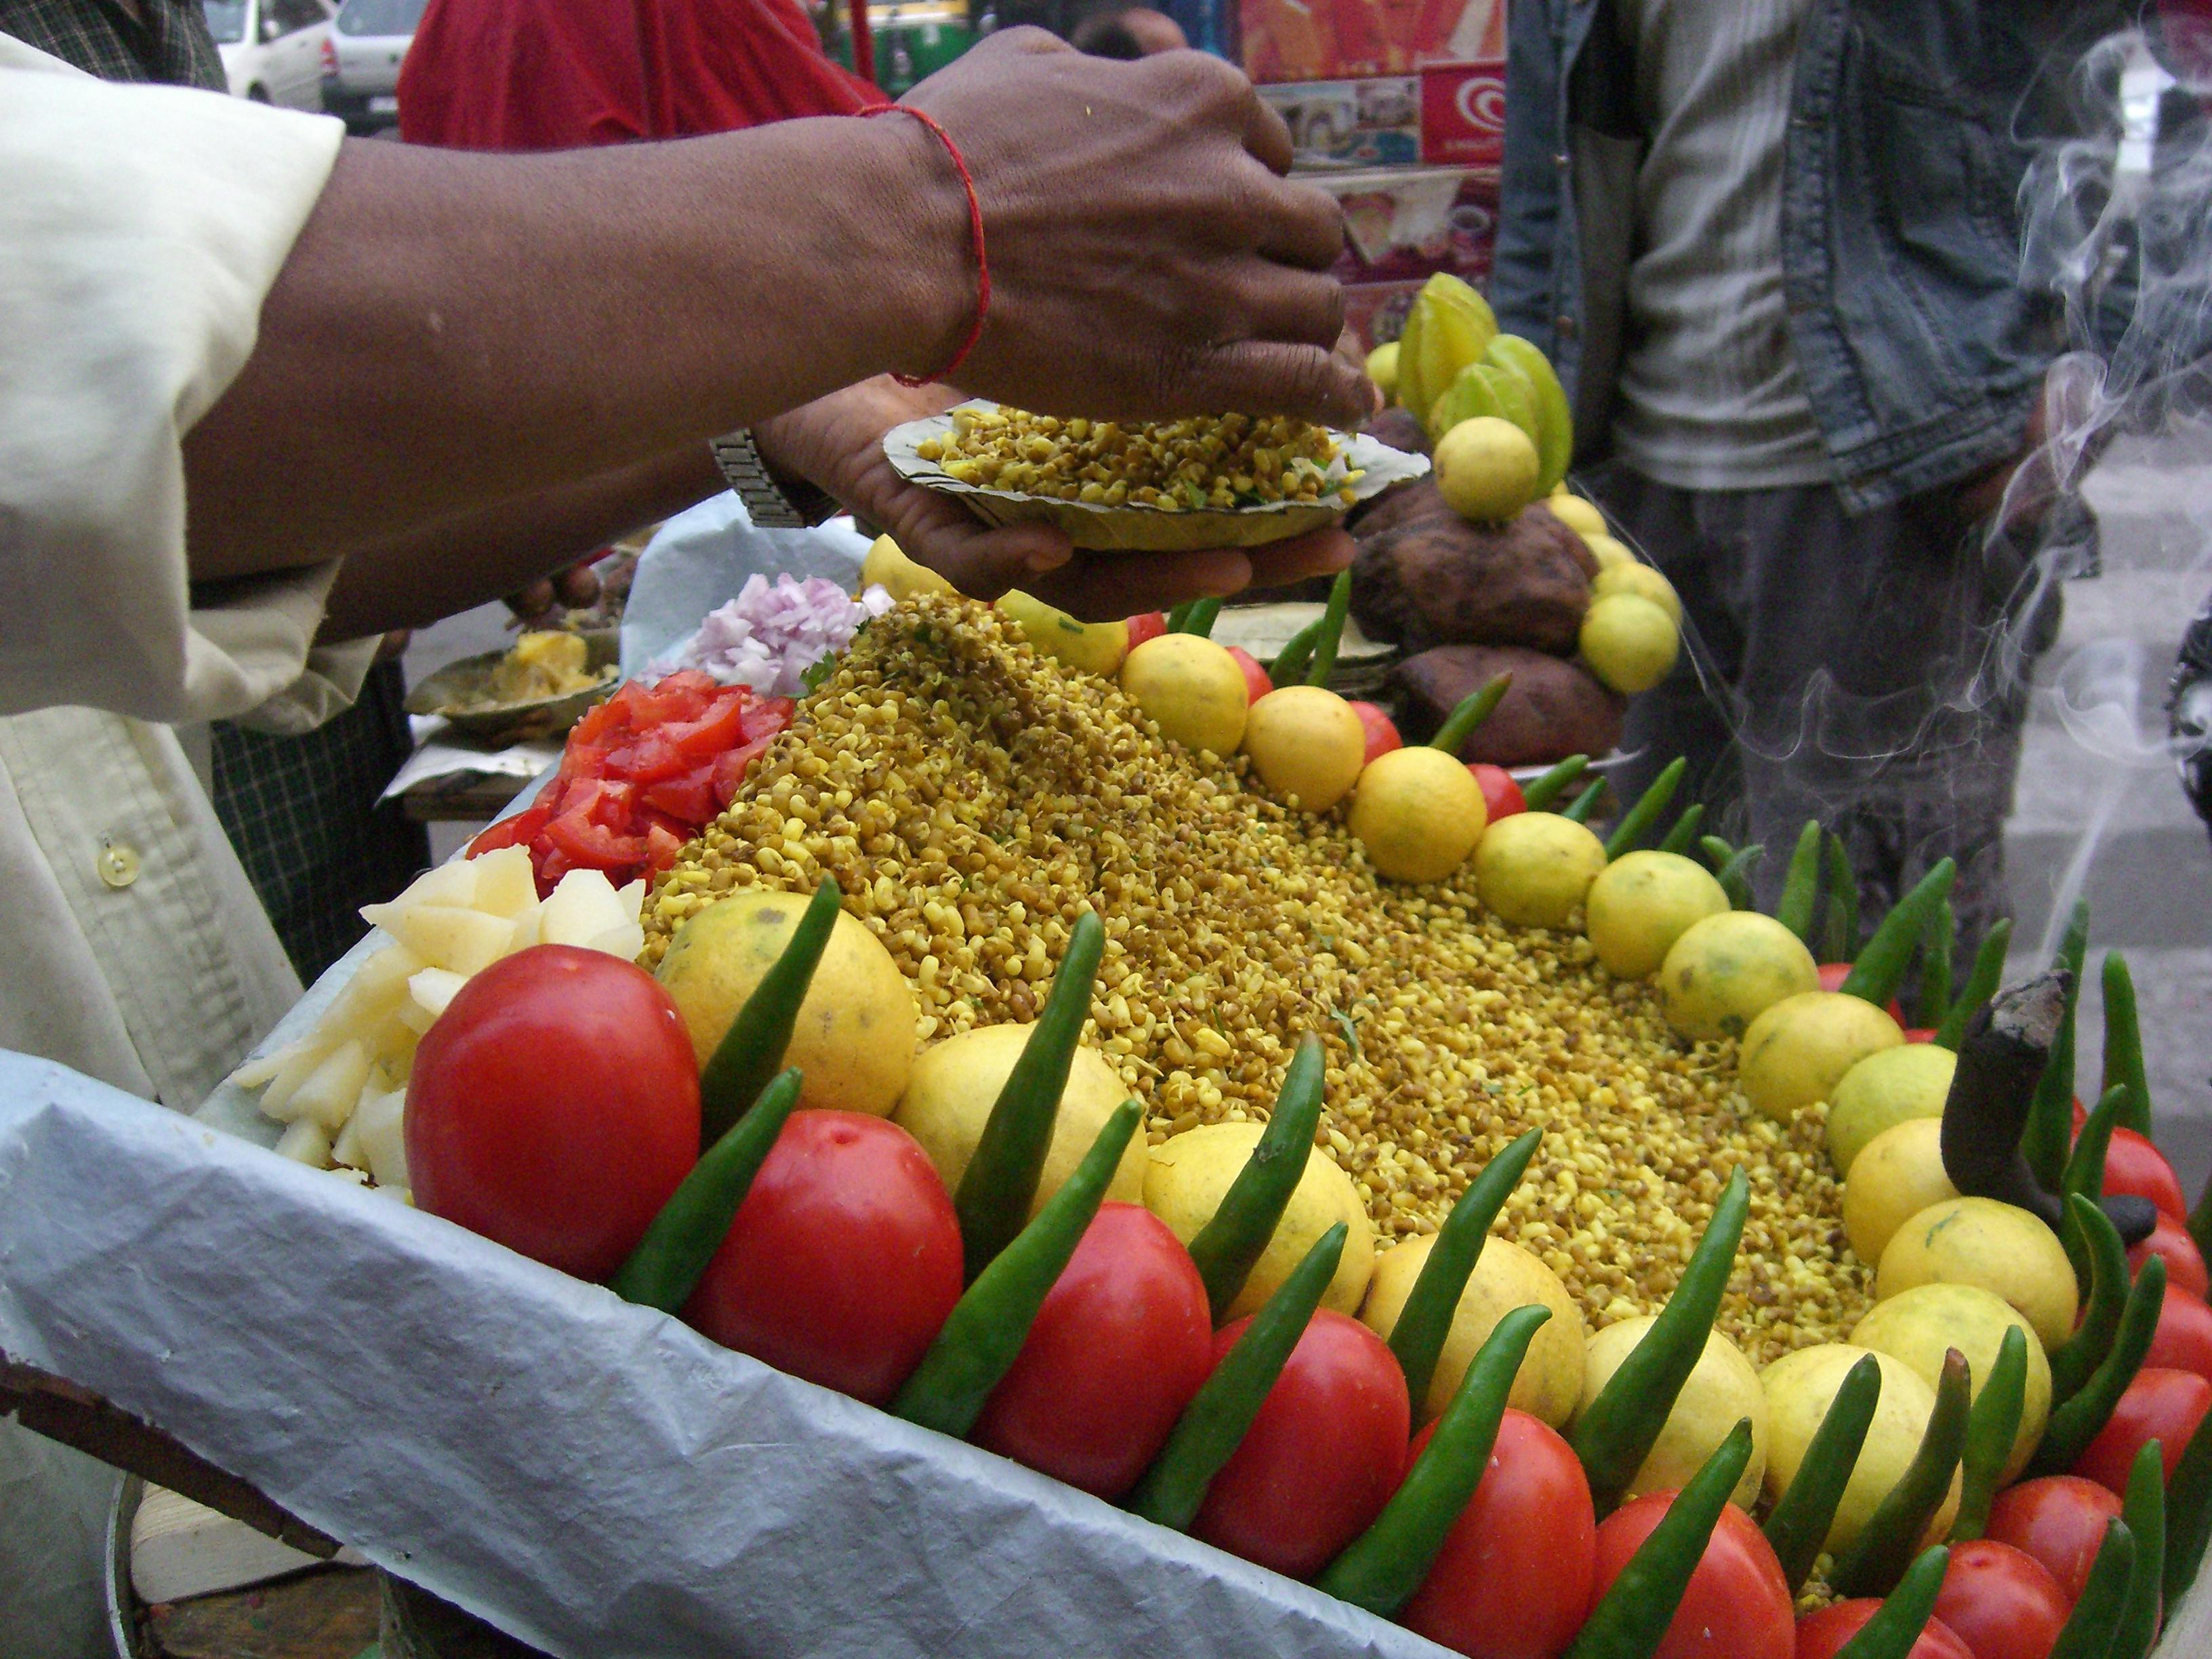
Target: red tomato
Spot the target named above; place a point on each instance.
(1382, 733)
(1501, 796)
(1321, 1458)
(1833, 976)
(1122, 1342)
(842, 1261)
(1737, 1605)
(2183, 1342)
(2185, 1262)
(2002, 1603)
(2161, 1404)
(553, 1107)
(1148, 626)
(2059, 1519)
(1256, 682)
(1513, 1580)
(1821, 1635)
(2132, 1164)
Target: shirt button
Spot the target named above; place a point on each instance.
(118, 865)
(1562, 161)
(1567, 325)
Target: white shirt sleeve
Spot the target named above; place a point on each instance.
(140, 229)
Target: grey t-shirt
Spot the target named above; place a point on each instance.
(1709, 396)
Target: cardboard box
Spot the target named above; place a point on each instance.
(1339, 40)
(1372, 123)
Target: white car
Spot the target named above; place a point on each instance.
(272, 50)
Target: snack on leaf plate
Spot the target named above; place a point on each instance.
(1134, 526)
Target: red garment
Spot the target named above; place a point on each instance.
(564, 74)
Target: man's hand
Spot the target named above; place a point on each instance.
(1148, 259)
(543, 602)
(837, 442)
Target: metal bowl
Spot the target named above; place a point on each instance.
(456, 692)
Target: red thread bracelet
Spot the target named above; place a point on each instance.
(975, 232)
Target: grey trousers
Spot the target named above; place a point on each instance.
(1870, 672)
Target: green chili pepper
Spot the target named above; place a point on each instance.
(1326, 643)
(1631, 1619)
(752, 1051)
(1636, 822)
(2142, 1506)
(1884, 1548)
(1615, 1431)
(1548, 788)
(1382, 1568)
(1716, 851)
(2087, 1632)
(2076, 1423)
(1180, 615)
(1905, 1612)
(2188, 1513)
(1228, 1245)
(2200, 1220)
(1935, 949)
(2072, 1361)
(2124, 1053)
(1290, 668)
(1801, 884)
(2050, 1117)
(1992, 1426)
(664, 1269)
(1473, 708)
(1001, 1178)
(1425, 1320)
(1203, 614)
(2084, 1174)
(1683, 834)
(1879, 968)
(1584, 804)
(1207, 1433)
(1841, 928)
(1798, 1525)
(1734, 876)
(984, 1333)
(1981, 985)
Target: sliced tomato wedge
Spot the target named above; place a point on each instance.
(592, 845)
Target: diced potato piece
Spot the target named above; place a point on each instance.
(395, 1051)
(525, 929)
(447, 936)
(381, 1122)
(633, 898)
(625, 939)
(433, 987)
(305, 1142)
(263, 1069)
(583, 905)
(298, 1067)
(330, 1095)
(357, 1177)
(414, 1018)
(457, 883)
(401, 1193)
(370, 996)
(506, 885)
(346, 1149)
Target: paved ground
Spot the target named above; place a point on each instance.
(2116, 825)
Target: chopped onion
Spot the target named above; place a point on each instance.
(768, 637)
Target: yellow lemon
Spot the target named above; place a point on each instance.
(1897, 1175)
(854, 1035)
(1978, 1241)
(1577, 513)
(954, 1085)
(887, 566)
(1505, 1277)
(1094, 647)
(1608, 552)
(1534, 869)
(1486, 469)
(1921, 1325)
(1418, 812)
(1722, 1390)
(1882, 1090)
(1188, 1175)
(1191, 689)
(1725, 971)
(1799, 1388)
(1629, 643)
(1382, 369)
(1798, 1051)
(1306, 744)
(1640, 579)
(1641, 903)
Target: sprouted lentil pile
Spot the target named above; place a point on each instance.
(971, 796)
(1237, 460)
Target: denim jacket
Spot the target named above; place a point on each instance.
(1911, 124)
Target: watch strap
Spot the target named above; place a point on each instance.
(769, 503)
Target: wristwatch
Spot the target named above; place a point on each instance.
(770, 504)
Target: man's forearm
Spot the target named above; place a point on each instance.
(681, 297)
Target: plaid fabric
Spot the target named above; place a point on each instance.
(168, 41)
(303, 814)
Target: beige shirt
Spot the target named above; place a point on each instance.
(140, 229)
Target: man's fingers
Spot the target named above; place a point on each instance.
(534, 601)
(1301, 225)
(577, 587)
(1297, 558)
(1266, 133)
(983, 563)
(1297, 307)
(1310, 382)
